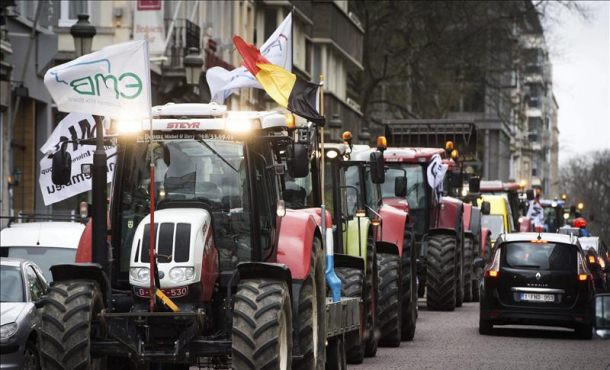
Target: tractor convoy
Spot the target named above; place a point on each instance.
(241, 239)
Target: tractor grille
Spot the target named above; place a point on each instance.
(172, 242)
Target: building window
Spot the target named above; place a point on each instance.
(70, 10)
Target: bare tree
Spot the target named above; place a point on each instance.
(424, 59)
(587, 179)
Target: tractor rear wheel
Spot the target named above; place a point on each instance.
(336, 353)
(441, 275)
(371, 287)
(468, 273)
(312, 311)
(409, 289)
(69, 321)
(390, 299)
(262, 325)
(352, 281)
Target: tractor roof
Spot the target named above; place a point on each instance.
(496, 185)
(412, 155)
(205, 117)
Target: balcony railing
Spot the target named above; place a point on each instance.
(185, 35)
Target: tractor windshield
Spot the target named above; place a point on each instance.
(211, 172)
(416, 191)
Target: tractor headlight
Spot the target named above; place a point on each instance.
(8, 330)
(139, 273)
(178, 274)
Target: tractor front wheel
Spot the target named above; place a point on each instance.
(262, 325)
(441, 272)
(352, 281)
(371, 287)
(409, 289)
(390, 299)
(468, 272)
(69, 321)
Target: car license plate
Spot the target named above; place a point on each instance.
(537, 297)
(171, 293)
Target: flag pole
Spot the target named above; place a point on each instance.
(151, 243)
(322, 204)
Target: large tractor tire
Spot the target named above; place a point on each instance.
(371, 287)
(441, 272)
(336, 359)
(262, 325)
(390, 299)
(409, 289)
(352, 285)
(468, 272)
(69, 321)
(459, 277)
(312, 311)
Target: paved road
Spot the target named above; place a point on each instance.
(450, 340)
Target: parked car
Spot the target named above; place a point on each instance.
(44, 243)
(23, 285)
(598, 261)
(537, 279)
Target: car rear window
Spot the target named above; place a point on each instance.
(540, 256)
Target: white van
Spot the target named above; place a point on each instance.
(44, 243)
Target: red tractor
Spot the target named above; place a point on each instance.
(229, 277)
(436, 223)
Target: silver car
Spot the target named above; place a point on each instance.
(22, 287)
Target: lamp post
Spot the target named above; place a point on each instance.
(82, 31)
(192, 65)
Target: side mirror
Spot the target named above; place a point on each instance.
(485, 207)
(297, 161)
(479, 262)
(602, 315)
(61, 167)
(529, 194)
(377, 168)
(400, 186)
(474, 184)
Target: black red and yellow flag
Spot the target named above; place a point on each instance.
(286, 88)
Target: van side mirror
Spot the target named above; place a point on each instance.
(377, 167)
(474, 184)
(400, 186)
(297, 161)
(485, 207)
(602, 315)
(61, 169)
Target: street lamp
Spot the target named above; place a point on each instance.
(82, 32)
(192, 65)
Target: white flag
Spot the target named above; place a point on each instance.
(436, 174)
(277, 49)
(114, 81)
(74, 126)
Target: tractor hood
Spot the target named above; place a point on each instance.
(182, 236)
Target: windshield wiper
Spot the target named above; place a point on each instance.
(217, 154)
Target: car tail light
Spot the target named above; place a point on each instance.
(601, 262)
(591, 259)
(494, 270)
(583, 272)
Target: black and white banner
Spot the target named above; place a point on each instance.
(74, 126)
(436, 174)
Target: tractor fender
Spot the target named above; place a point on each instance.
(450, 211)
(254, 270)
(296, 234)
(393, 226)
(345, 260)
(485, 235)
(466, 221)
(317, 215)
(84, 271)
(399, 203)
(385, 247)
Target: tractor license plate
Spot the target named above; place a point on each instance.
(171, 292)
(537, 297)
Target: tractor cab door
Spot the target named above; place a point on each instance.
(266, 191)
